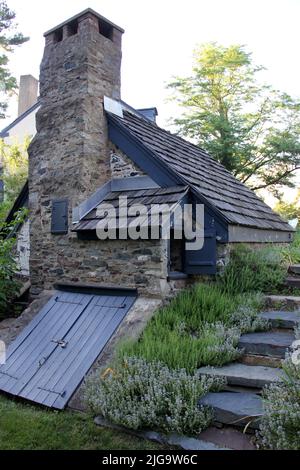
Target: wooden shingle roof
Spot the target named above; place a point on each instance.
(147, 197)
(237, 203)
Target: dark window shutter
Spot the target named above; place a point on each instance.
(59, 216)
(203, 261)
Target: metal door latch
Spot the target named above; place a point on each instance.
(60, 342)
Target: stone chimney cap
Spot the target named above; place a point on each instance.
(82, 13)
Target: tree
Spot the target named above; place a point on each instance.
(9, 284)
(14, 158)
(9, 38)
(252, 129)
(289, 210)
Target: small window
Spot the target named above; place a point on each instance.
(59, 217)
(73, 28)
(58, 35)
(106, 30)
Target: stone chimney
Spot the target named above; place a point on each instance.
(28, 93)
(69, 156)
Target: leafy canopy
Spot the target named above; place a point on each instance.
(9, 38)
(14, 172)
(9, 285)
(249, 127)
(289, 210)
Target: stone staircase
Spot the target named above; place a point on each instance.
(293, 279)
(240, 403)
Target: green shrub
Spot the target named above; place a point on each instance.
(9, 286)
(201, 326)
(280, 425)
(263, 270)
(203, 303)
(138, 394)
(245, 316)
(291, 254)
(213, 344)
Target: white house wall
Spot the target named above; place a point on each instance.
(25, 127)
(23, 249)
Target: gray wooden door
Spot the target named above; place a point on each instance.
(49, 359)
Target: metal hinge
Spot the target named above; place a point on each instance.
(60, 342)
(57, 299)
(61, 394)
(124, 305)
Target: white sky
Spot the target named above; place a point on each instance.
(160, 36)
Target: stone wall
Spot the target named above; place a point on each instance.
(122, 166)
(140, 264)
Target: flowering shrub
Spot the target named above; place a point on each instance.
(245, 318)
(138, 394)
(280, 425)
(218, 344)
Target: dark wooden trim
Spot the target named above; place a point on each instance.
(95, 289)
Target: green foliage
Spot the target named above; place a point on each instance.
(214, 345)
(139, 394)
(25, 427)
(252, 129)
(291, 254)
(289, 210)
(251, 270)
(14, 160)
(9, 286)
(245, 317)
(8, 40)
(280, 424)
(197, 328)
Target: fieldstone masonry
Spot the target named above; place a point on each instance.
(121, 166)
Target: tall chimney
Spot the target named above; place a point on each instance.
(28, 93)
(69, 155)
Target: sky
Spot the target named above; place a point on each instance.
(160, 36)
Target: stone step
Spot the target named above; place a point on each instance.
(236, 388)
(235, 409)
(244, 375)
(271, 343)
(228, 437)
(283, 301)
(294, 269)
(257, 360)
(293, 281)
(282, 319)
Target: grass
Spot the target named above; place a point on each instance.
(195, 329)
(24, 427)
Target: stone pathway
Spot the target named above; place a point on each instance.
(240, 403)
(237, 409)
